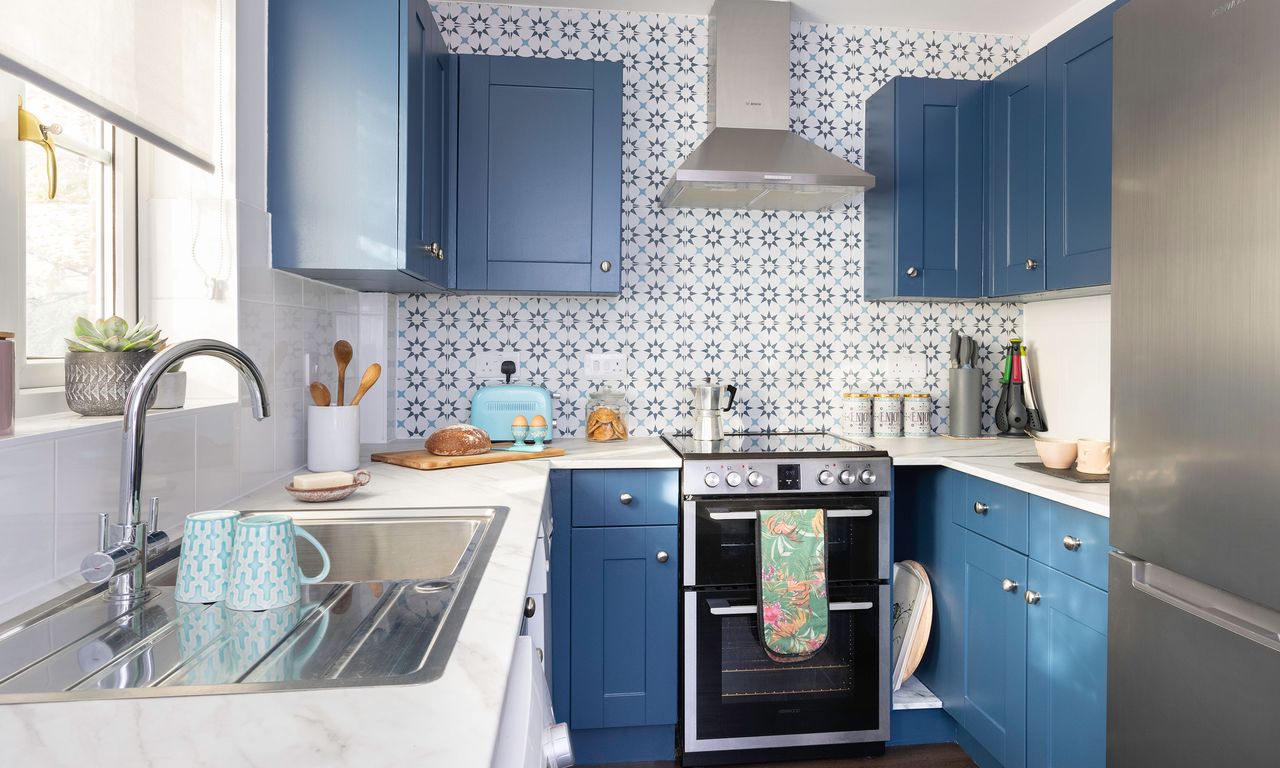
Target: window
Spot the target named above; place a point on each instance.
(71, 255)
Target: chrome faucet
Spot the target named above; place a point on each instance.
(124, 562)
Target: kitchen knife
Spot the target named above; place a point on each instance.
(1035, 419)
(955, 348)
(966, 352)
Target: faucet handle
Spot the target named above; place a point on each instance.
(103, 517)
(153, 518)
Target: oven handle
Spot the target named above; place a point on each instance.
(740, 610)
(753, 515)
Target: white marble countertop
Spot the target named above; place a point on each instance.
(994, 459)
(451, 721)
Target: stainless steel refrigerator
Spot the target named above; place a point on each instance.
(1194, 626)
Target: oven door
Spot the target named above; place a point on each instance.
(736, 697)
(720, 537)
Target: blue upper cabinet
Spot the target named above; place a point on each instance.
(1015, 181)
(924, 216)
(539, 175)
(624, 627)
(1066, 671)
(1078, 155)
(357, 118)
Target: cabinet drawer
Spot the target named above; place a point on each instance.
(1070, 540)
(625, 497)
(994, 511)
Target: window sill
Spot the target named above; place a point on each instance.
(33, 429)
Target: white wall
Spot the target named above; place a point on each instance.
(1070, 346)
(1064, 21)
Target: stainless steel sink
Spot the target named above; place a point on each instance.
(399, 584)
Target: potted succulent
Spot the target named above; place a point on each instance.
(103, 359)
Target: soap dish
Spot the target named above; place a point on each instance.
(337, 493)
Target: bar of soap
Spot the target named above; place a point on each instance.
(322, 480)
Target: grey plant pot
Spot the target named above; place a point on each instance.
(98, 382)
(171, 391)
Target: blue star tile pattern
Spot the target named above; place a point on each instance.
(771, 301)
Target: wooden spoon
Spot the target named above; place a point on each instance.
(369, 378)
(342, 352)
(320, 394)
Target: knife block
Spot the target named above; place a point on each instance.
(964, 387)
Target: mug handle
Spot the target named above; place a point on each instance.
(324, 556)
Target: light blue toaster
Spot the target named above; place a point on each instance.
(493, 407)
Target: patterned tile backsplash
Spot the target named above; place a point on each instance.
(770, 301)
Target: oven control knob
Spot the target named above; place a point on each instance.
(755, 479)
(847, 477)
(825, 477)
(712, 479)
(867, 477)
(733, 479)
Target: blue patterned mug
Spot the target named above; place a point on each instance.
(264, 563)
(206, 556)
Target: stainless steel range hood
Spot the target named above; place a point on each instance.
(751, 159)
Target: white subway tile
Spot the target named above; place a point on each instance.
(88, 482)
(217, 457)
(257, 448)
(288, 288)
(27, 487)
(290, 420)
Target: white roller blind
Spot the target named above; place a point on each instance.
(147, 66)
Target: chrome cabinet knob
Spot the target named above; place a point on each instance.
(439, 253)
(733, 479)
(1031, 597)
(825, 477)
(662, 557)
(1071, 543)
(1009, 585)
(980, 508)
(605, 266)
(530, 607)
(867, 477)
(626, 498)
(913, 272)
(755, 479)
(1032, 264)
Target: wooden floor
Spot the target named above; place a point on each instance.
(930, 756)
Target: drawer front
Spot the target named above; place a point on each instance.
(994, 511)
(606, 497)
(1070, 540)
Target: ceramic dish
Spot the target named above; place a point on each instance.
(912, 618)
(1056, 454)
(337, 493)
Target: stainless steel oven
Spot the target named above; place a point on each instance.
(738, 705)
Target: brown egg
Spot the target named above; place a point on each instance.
(520, 421)
(538, 421)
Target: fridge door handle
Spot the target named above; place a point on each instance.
(1235, 614)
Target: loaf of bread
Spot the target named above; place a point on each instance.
(459, 440)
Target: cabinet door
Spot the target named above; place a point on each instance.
(1066, 672)
(1078, 154)
(933, 201)
(995, 649)
(424, 166)
(1015, 195)
(624, 627)
(539, 175)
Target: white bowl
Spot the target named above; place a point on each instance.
(1056, 454)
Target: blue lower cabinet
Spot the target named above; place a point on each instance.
(995, 650)
(1066, 671)
(623, 642)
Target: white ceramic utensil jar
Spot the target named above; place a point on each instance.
(333, 438)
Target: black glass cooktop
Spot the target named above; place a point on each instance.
(796, 444)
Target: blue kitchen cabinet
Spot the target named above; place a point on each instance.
(1078, 155)
(1015, 177)
(994, 707)
(538, 167)
(925, 214)
(1066, 671)
(356, 104)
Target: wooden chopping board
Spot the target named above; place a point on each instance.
(421, 459)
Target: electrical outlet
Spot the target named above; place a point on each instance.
(906, 369)
(488, 365)
(604, 365)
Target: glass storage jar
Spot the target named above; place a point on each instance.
(607, 414)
